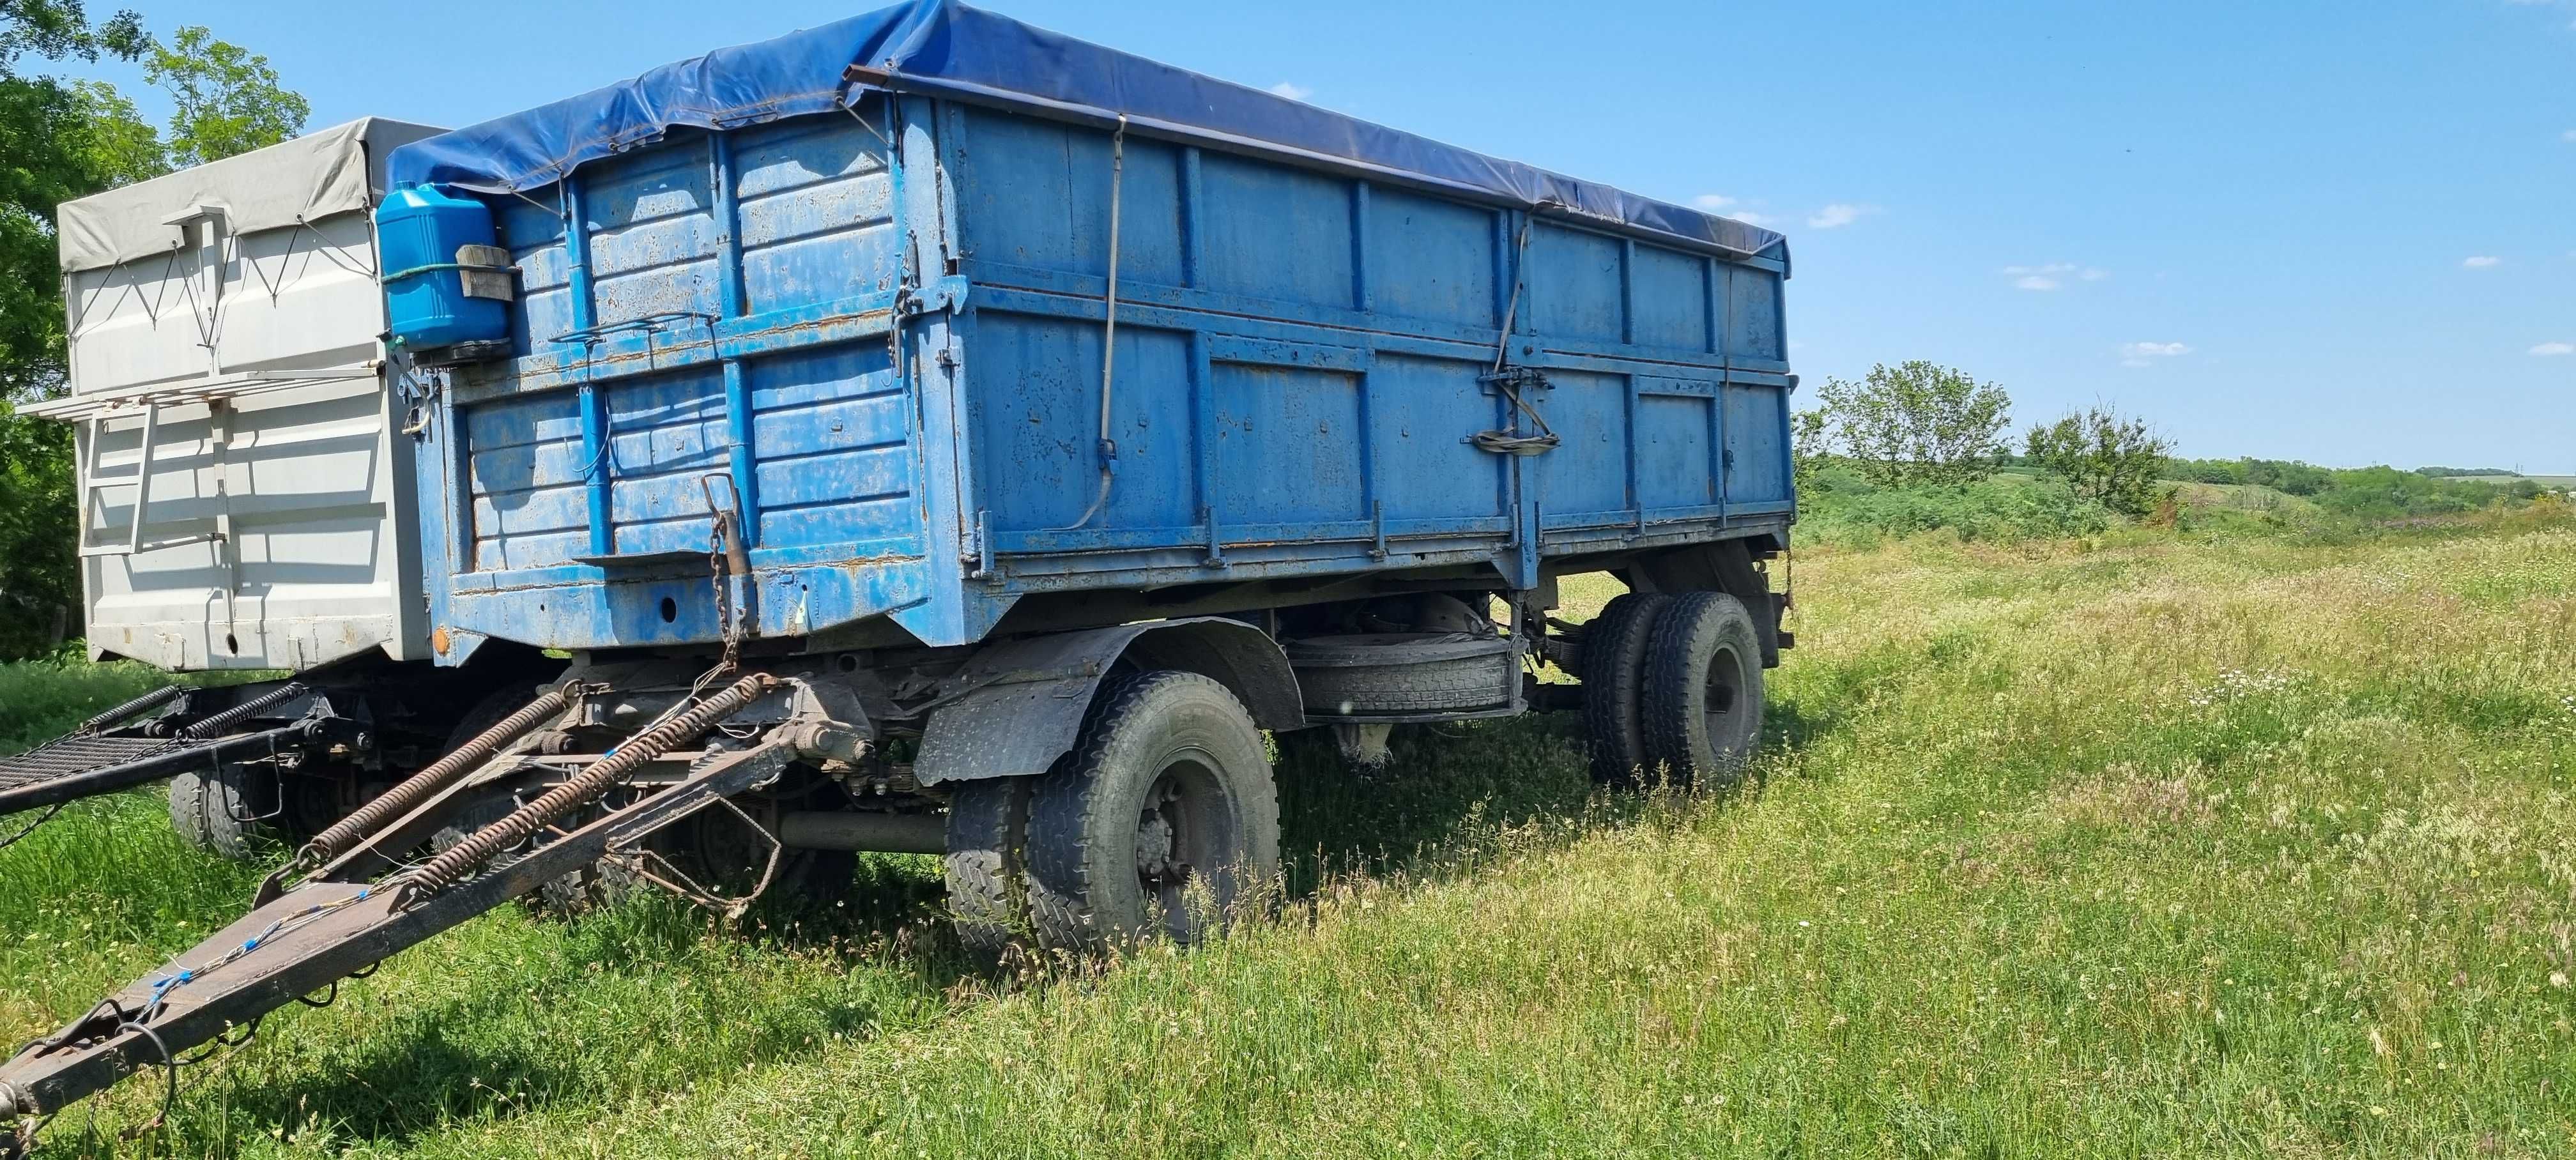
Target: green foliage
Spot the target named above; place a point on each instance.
(44, 697)
(2283, 475)
(118, 146)
(228, 99)
(1840, 506)
(1809, 446)
(2370, 494)
(2446, 472)
(61, 30)
(1917, 423)
(2106, 458)
(39, 533)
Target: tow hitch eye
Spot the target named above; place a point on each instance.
(830, 743)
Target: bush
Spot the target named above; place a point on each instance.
(1842, 507)
(2104, 457)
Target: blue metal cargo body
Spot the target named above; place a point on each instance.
(851, 288)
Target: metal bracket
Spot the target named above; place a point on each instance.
(1513, 379)
(985, 566)
(651, 324)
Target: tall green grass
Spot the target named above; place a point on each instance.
(2127, 847)
(41, 698)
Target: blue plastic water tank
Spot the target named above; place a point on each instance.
(418, 229)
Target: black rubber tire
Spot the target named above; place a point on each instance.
(988, 892)
(1614, 676)
(228, 812)
(1086, 887)
(1703, 695)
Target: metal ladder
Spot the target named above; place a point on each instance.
(91, 484)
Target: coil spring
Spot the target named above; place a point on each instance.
(244, 711)
(417, 788)
(154, 699)
(439, 872)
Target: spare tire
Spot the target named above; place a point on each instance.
(1404, 674)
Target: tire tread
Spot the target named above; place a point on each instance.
(1676, 662)
(1062, 816)
(1614, 664)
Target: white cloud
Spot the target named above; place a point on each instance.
(1838, 214)
(2481, 261)
(1292, 90)
(1733, 207)
(2138, 352)
(2547, 349)
(2051, 275)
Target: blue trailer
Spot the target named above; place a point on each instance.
(926, 432)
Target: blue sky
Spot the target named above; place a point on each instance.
(2344, 233)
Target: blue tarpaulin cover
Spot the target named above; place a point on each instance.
(942, 46)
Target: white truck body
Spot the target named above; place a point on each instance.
(225, 355)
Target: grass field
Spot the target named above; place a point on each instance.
(2137, 847)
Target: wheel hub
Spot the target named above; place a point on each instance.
(1723, 681)
(1157, 839)
(1153, 847)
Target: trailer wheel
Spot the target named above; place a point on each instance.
(1162, 820)
(1614, 676)
(228, 811)
(988, 894)
(1703, 694)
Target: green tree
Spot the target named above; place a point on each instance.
(1917, 423)
(61, 30)
(227, 98)
(1808, 431)
(62, 139)
(2103, 456)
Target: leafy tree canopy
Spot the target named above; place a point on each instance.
(61, 30)
(1916, 422)
(228, 98)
